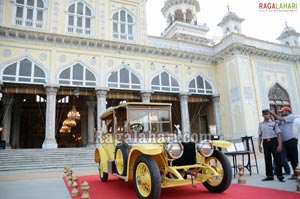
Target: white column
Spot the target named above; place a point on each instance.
(145, 96)
(216, 102)
(101, 107)
(91, 124)
(50, 141)
(185, 118)
(7, 103)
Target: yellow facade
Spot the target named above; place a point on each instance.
(240, 70)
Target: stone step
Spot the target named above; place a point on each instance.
(28, 159)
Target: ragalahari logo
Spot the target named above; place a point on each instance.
(277, 7)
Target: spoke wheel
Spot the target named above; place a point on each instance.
(146, 178)
(121, 157)
(221, 164)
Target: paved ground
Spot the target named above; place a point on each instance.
(48, 184)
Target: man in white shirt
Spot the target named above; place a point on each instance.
(296, 130)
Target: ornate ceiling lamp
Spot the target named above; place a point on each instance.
(69, 122)
(65, 129)
(73, 114)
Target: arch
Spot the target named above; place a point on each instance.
(77, 74)
(278, 97)
(24, 70)
(123, 22)
(79, 20)
(165, 82)
(236, 29)
(124, 78)
(200, 85)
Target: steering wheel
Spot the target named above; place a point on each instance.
(137, 127)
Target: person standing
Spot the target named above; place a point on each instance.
(296, 130)
(270, 143)
(289, 141)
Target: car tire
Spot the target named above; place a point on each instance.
(145, 168)
(226, 176)
(103, 175)
(121, 157)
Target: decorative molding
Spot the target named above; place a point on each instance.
(62, 58)
(236, 44)
(84, 43)
(6, 53)
(43, 57)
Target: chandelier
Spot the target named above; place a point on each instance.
(69, 122)
(73, 114)
(65, 129)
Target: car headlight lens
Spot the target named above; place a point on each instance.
(205, 148)
(174, 150)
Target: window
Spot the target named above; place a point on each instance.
(77, 75)
(79, 19)
(24, 71)
(164, 82)
(123, 26)
(30, 13)
(124, 78)
(199, 85)
(278, 97)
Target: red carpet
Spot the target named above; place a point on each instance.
(116, 188)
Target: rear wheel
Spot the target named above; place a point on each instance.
(146, 178)
(121, 157)
(222, 165)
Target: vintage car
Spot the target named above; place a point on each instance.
(139, 144)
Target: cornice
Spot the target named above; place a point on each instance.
(42, 38)
(234, 44)
(242, 49)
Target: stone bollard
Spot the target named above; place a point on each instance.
(75, 191)
(297, 171)
(85, 190)
(69, 177)
(66, 169)
(241, 179)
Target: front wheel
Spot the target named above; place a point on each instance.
(146, 178)
(103, 175)
(222, 165)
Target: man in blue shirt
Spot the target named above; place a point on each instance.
(289, 141)
(269, 142)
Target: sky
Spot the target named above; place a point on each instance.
(258, 24)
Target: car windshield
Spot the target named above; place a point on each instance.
(149, 120)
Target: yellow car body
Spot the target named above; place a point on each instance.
(141, 150)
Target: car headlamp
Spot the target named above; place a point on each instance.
(174, 150)
(205, 148)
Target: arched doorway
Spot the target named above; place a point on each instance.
(278, 97)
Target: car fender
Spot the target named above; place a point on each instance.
(221, 143)
(137, 150)
(100, 154)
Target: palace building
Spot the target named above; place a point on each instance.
(63, 62)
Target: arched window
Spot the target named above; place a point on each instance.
(79, 19)
(24, 71)
(278, 97)
(199, 85)
(124, 78)
(30, 13)
(77, 75)
(164, 82)
(123, 25)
